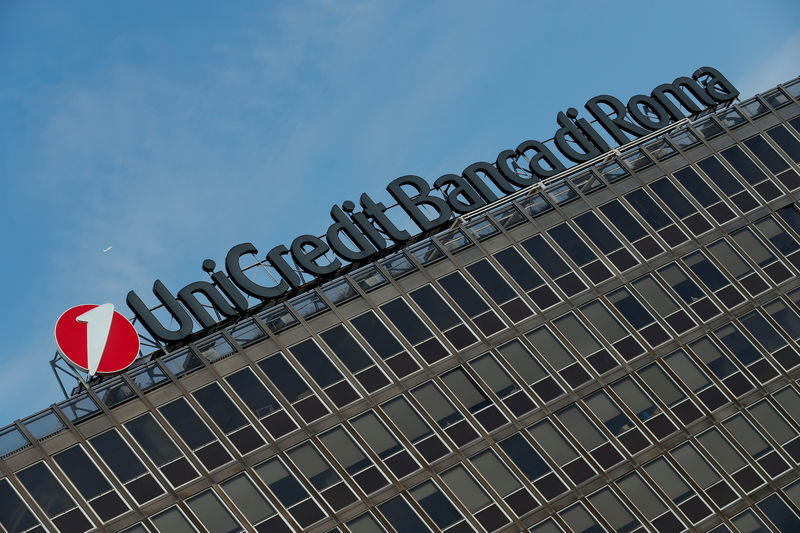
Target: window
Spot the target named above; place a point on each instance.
(492, 373)
(350, 352)
(195, 433)
(569, 241)
(553, 265)
(729, 185)
(740, 270)
(401, 516)
(591, 225)
(704, 195)
(436, 504)
(474, 399)
(474, 498)
(560, 359)
(680, 206)
(413, 329)
(322, 476)
(172, 521)
(499, 290)
(228, 418)
(90, 482)
(503, 481)
(293, 387)
(617, 422)
(261, 402)
(445, 319)
(695, 466)
(561, 452)
(385, 344)
(529, 369)
(212, 514)
(652, 213)
(126, 466)
(472, 303)
(14, 514)
(589, 437)
(415, 429)
(51, 497)
(688, 291)
(653, 293)
(324, 372)
(638, 317)
(289, 492)
(384, 444)
(252, 503)
(608, 505)
(353, 460)
(713, 279)
(161, 450)
(761, 255)
(526, 277)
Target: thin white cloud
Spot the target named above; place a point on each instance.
(782, 66)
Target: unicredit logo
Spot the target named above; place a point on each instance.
(97, 339)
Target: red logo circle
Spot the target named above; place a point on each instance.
(97, 339)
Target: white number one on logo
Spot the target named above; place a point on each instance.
(98, 325)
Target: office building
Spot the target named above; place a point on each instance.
(617, 350)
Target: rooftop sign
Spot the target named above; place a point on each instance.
(358, 235)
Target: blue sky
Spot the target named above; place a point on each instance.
(172, 131)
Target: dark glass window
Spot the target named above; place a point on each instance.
(545, 256)
(82, 472)
(766, 154)
(698, 188)
(569, 241)
(705, 270)
(220, 408)
(46, 490)
(720, 175)
(598, 232)
(406, 321)
(630, 308)
(212, 514)
(376, 334)
(285, 378)
(14, 514)
(253, 392)
(488, 278)
(435, 504)
(153, 440)
(519, 269)
(648, 209)
(622, 219)
(401, 517)
(525, 457)
(786, 141)
(346, 348)
(744, 165)
(435, 307)
(187, 424)
(779, 237)
(673, 198)
(316, 363)
(117, 455)
(462, 292)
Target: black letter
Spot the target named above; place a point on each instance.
(461, 189)
(343, 224)
(717, 82)
(473, 175)
(568, 129)
(543, 153)
(411, 205)
(306, 258)
(614, 126)
(151, 323)
(678, 89)
(187, 296)
(275, 258)
(376, 210)
(238, 276)
(509, 173)
(639, 101)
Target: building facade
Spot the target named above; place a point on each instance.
(616, 351)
